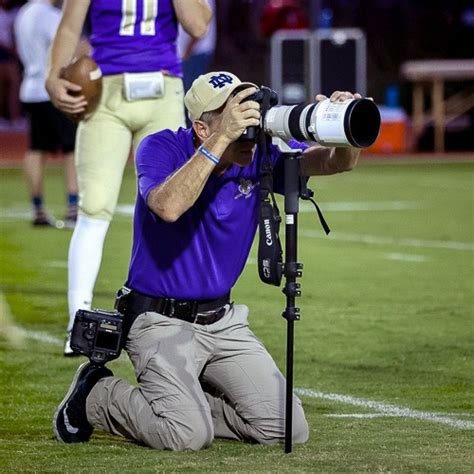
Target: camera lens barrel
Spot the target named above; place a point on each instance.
(354, 122)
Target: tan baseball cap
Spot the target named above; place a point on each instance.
(210, 91)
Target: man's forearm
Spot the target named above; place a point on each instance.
(68, 35)
(326, 161)
(344, 159)
(62, 52)
(194, 16)
(181, 190)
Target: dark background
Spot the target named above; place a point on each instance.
(396, 31)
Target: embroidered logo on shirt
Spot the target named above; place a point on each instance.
(220, 81)
(245, 188)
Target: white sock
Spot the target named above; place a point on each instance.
(85, 256)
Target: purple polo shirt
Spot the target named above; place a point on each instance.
(141, 38)
(202, 254)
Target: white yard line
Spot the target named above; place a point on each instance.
(361, 206)
(48, 339)
(406, 257)
(41, 337)
(359, 415)
(388, 409)
(385, 415)
(127, 210)
(340, 206)
(382, 409)
(21, 214)
(379, 240)
(350, 206)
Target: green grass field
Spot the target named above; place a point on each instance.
(384, 347)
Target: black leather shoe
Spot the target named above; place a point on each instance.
(70, 423)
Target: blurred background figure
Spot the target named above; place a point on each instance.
(50, 131)
(197, 54)
(10, 114)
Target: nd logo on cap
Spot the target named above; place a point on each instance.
(221, 80)
(210, 91)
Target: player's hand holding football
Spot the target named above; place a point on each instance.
(238, 115)
(64, 95)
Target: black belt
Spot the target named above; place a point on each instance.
(133, 303)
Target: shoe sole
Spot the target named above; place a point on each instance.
(72, 387)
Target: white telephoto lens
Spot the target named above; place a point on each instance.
(354, 122)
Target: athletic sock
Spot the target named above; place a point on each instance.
(37, 202)
(72, 199)
(85, 255)
(71, 213)
(40, 217)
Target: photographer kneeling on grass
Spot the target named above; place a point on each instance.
(201, 371)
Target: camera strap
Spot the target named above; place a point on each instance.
(270, 254)
(307, 195)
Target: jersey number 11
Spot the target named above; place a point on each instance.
(129, 17)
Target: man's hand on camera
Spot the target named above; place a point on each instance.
(338, 96)
(319, 160)
(238, 115)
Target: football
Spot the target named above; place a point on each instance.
(86, 73)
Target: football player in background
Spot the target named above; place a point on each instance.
(50, 131)
(197, 54)
(129, 38)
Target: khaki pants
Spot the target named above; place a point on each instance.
(104, 141)
(173, 361)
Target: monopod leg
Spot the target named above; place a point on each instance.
(292, 270)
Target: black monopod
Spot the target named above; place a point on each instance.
(291, 270)
(295, 188)
(271, 264)
(354, 123)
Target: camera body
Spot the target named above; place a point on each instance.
(251, 133)
(259, 96)
(97, 334)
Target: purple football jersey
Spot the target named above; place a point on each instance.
(134, 36)
(201, 255)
